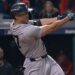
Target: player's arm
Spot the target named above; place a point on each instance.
(43, 21)
(46, 21)
(55, 25)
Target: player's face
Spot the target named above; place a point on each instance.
(23, 17)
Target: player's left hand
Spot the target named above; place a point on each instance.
(71, 15)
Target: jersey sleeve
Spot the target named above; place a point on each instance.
(36, 31)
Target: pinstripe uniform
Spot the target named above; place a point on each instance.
(33, 47)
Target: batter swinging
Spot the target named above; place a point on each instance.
(37, 62)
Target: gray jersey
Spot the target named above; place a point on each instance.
(33, 47)
(29, 40)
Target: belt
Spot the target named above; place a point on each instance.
(35, 59)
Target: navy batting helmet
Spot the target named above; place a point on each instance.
(19, 8)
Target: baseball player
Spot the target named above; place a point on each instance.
(37, 62)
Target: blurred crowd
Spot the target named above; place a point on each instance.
(65, 63)
(38, 8)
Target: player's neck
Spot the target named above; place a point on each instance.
(20, 22)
